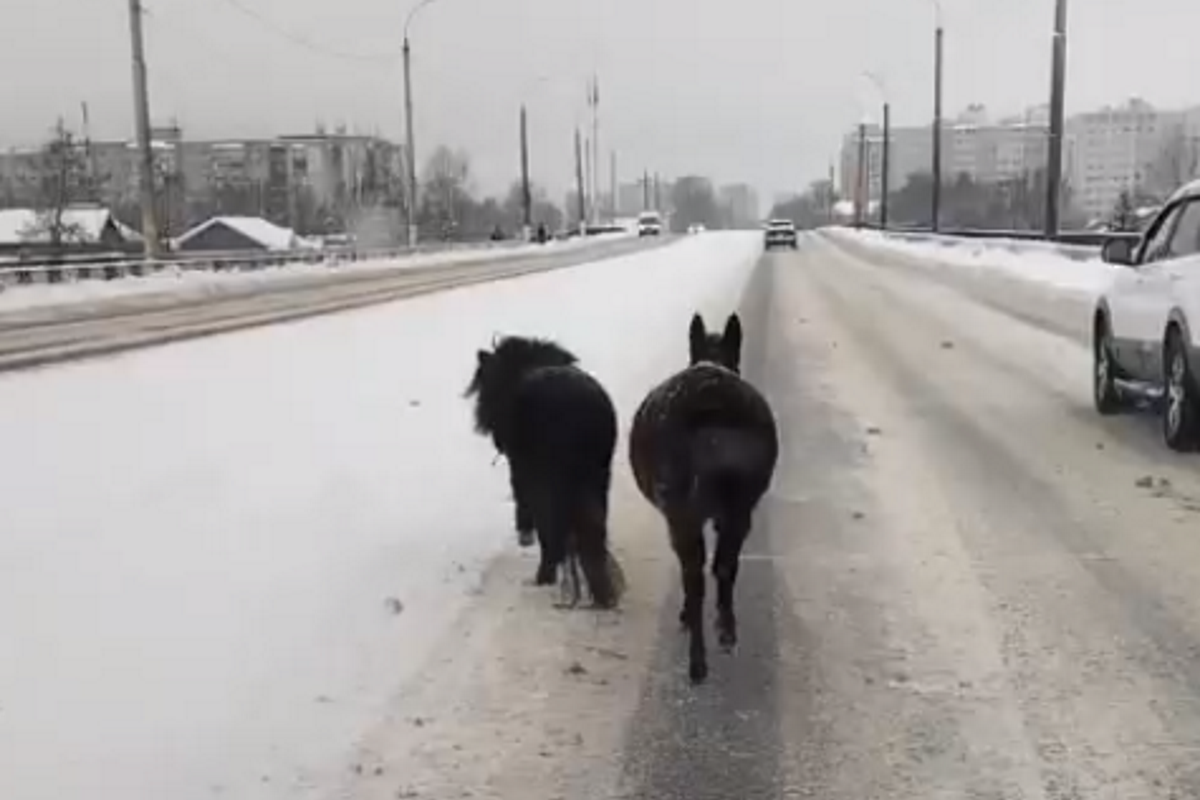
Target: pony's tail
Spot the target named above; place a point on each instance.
(605, 584)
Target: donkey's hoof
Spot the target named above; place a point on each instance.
(698, 672)
(727, 639)
(545, 576)
(526, 539)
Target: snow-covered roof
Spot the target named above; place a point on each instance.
(265, 232)
(82, 225)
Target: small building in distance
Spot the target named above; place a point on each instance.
(227, 234)
(82, 229)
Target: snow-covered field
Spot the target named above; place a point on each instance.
(181, 282)
(1085, 278)
(218, 559)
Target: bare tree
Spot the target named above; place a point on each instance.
(1176, 162)
(446, 197)
(62, 178)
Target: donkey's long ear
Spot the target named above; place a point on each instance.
(731, 341)
(696, 337)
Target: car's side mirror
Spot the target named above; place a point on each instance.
(1118, 251)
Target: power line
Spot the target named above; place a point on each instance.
(306, 43)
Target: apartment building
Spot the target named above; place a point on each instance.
(1131, 147)
(290, 180)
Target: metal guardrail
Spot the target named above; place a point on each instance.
(218, 261)
(1083, 238)
(1077, 245)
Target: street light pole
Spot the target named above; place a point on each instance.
(408, 121)
(860, 180)
(579, 184)
(141, 105)
(883, 167)
(939, 37)
(884, 150)
(1054, 159)
(526, 196)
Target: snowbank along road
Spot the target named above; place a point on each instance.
(964, 583)
(46, 335)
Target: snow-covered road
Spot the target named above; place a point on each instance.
(279, 564)
(204, 547)
(963, 584)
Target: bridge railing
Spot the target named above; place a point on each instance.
(1077, 245)
(112, 266)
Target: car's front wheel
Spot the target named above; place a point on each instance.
(1105, 393)
(1181, 403)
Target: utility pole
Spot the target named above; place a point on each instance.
(829, 197)
(589, 190)
(646, 190)
(612, 184)
(861, 183)
(1058, 80)
(141, 106)
(526, 196)
(411, 150)
(883, 174)
(594, 99)
(579, 183)
(937, 124)
(657, 198)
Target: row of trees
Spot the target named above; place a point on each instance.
(450, 208)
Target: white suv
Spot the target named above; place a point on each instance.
(649, 224)
(1143, 343)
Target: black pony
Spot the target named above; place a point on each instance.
(703, 447)
(558, 429)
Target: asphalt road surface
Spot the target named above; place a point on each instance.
(964, 584)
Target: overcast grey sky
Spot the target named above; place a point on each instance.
(755, 90)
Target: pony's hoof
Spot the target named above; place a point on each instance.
(698, 672)
(727, 641)
(544, 577)
(526, 538)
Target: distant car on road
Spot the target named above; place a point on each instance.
(696, 228)
(780, 233)
(649, 224)
(1144, 345)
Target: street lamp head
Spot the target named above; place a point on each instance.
(937, 11)
(411, 15)
(876, 81)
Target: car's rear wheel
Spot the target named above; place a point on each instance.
(1181, 402)
(1105, 393)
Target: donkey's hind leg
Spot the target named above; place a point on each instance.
(687, 539)
(732, 531)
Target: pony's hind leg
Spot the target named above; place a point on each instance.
(551, 536)
(687, 539)
(731, 535)
(591, 540)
